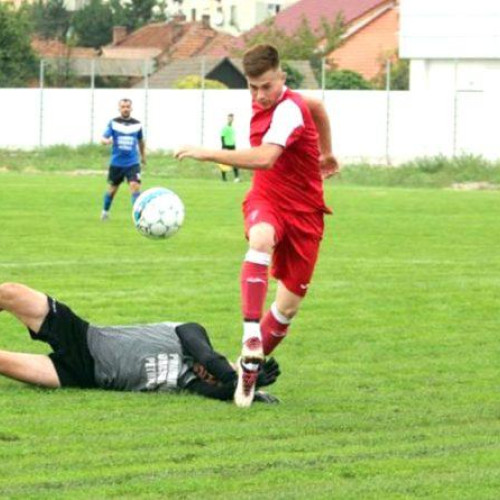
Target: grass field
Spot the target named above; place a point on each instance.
(390, 384)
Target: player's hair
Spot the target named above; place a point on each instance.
(259, 59)
(125, 99)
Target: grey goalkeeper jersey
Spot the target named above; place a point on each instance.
(138, 358)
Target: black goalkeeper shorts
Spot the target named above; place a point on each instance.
(66, 333)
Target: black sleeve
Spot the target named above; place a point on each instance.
(223, 392)
(195, 343)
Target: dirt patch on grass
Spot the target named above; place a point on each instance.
(85, 172)
(474, 186)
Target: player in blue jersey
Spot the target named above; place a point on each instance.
(126, 136)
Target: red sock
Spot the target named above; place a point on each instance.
(254, 282)
(273, 332)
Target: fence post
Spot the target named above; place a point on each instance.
(388, 110)
(92, 98)
(146, 96)
(323, 64)
(41, 84)
(455, 109)
(202, 114)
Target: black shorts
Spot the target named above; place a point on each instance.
(116, 175)
(66, 333)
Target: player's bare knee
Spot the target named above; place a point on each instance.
(261, 246)
(261, 238)
(289, 311)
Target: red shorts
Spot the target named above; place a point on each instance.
(298, 237)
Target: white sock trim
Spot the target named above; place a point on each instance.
(257, 257)
(251, 329)
(280, 318)
(250, 367)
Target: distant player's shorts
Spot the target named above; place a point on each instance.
(116, 175)
(224, 168)
(298, 237)
(66, 333)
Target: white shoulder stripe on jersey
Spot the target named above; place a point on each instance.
(126, 129)
(286, 118)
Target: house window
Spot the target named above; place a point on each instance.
(233, 17)
(273, 8)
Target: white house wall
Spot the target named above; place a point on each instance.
(449, 29)
(480, 75)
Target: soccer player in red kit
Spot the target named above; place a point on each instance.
(284, 208)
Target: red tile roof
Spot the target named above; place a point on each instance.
(314, 11)
(179, 40)
(55, 48)
(155, 35)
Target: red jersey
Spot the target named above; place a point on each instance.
(294, 182)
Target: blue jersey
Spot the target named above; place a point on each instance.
(126, 135)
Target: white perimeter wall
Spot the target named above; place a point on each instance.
(368, 126)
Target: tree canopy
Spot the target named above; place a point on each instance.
(49, 19)
(304, 43)
(194, 82)
(345, 79)
(18, 63)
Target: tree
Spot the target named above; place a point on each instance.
(400, 73)
(93, 24)
(304, 43)
(18, 63)
(194, 82)
(345, 79)
(137, 13)
(50, 19)
(140, 12)
(294, 77)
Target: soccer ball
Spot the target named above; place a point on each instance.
(158, 213)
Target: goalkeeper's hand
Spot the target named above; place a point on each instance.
(268, 373)
(265, 397)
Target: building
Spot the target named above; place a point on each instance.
(353, 13)
(369, 41)
(370, 30)
(231, 16)
(71, 5)
(452, 46)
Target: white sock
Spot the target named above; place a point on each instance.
(250, 367)
(278, 316)
(257, 257)
(251, 329)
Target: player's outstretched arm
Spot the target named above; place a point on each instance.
(328, 163)
(259, 158)
(211, 388)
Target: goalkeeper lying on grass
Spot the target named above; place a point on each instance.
(155, 357)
